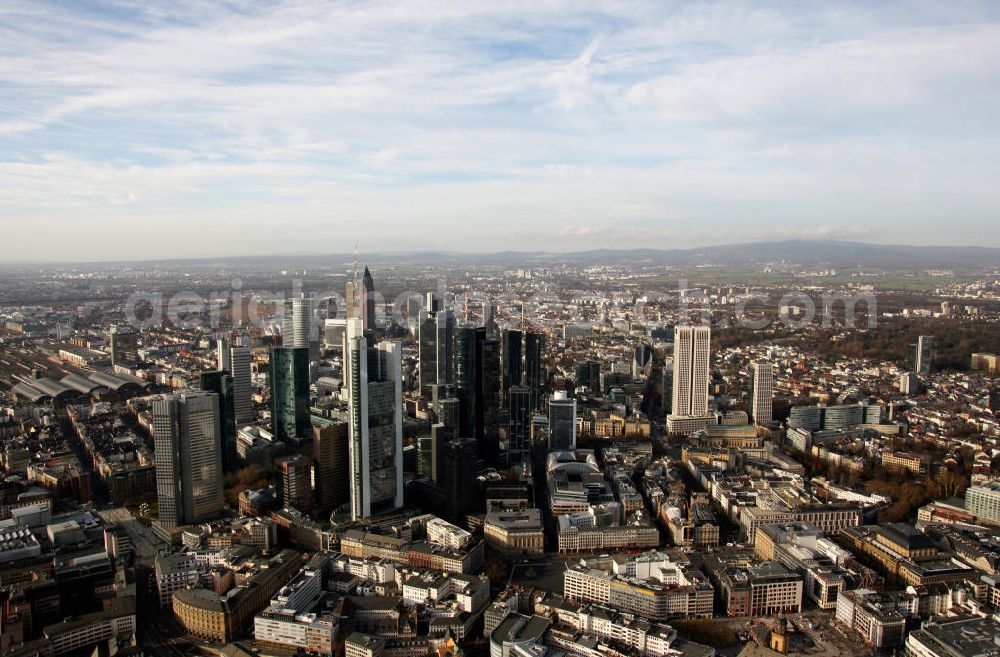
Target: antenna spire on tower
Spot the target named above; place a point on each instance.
(357, 275)
(356, 284)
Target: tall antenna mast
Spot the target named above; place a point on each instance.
(357, 275)
(356, 284)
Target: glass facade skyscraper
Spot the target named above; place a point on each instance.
(240, 361)
(375, 400)
(368, 300)
(534, 369)
(588, 374)
(221, 383)
(518, 441)
(924, 354)
(562, 422)
(476, 378)
(466, 376)
(488, 398)
(290, 392)
(511, 358)
(436, 334)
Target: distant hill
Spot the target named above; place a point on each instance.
(798, 253)
(827, 253)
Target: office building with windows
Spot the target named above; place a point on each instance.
(690, 384)
(368, 301)
(123, 342)
(983, 501)
(188, 455)
(534, 368)
(296, 481)
(373, 377)
(221, 383)
(923, 354)
(240, 361)
(330, 463)
(761, 391)
(290, 392)
(436, 333)
(511, 362)
(562, 422)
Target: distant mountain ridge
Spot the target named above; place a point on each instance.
(802, 253)
(805, 253)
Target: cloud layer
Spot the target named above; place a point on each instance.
(198, 129)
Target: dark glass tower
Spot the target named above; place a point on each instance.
(476, 378)
(642, 354)
(588, 373)
(368, 300)
(449, 413)
(488, 399)
(562, 422)
(466, 376)
(221, 383)
(330, 455)
(457, 476)
(511, 358)
(518, 425)
(436, 336)
(428, 343)
(534, 369)
(290, 392)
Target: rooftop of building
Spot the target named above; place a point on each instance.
(521, 519)
(517, 628)
(767, 570)
(122, 606)
(905, 535)
(963, 636)
(201, 599)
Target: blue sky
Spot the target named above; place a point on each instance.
(199, 129)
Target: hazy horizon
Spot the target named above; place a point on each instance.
(378, 254)
(191, 130)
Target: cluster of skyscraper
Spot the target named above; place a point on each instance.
(484, 388)
(478, 386)
(195, 432)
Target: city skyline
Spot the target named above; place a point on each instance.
(146, 133)
(636, 470)
(552, 328)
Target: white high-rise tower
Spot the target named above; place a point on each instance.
(304, 325)
(374, 381)
(691, 355)
(762, 392)
(240, 364)
(222, 354)
(235, 358)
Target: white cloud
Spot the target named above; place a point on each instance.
(547, 120)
